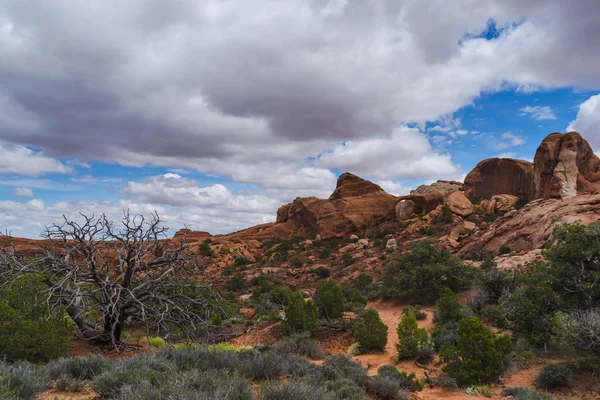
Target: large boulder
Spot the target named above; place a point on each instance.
(565, 166)
(459, 204)
(500, 176)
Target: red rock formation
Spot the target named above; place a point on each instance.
(500, 176)
(565, 166)
(355, 205)
(410, 206)
(530, 227)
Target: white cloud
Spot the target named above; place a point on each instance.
(538, 113)
(395, 188)
(23, 192)
(509, 140)
(407, 153)
(588, 121)
(507, 155)
(20, 160)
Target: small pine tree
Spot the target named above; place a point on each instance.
(371, 332)
(28, 329)
(410, 336)
(330, 299)
(477, 356)
(300, 316)
(448, 307)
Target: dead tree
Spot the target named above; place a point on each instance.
(106, 275)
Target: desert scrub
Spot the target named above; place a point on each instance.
(525, 393)
(84, 368)
(554, 376)
(192, 385)
(133, 372)
(392, 384)
(300, 344)
(339, 366)
(21, 381)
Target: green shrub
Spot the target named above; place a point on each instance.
(205, 249)
(325, 253)
(354, 350)
(427, 230)
(477, 356)
(444, 217)
(157, 341)
(269, 315)
(236, 284)
(554, 376)
(347, 259)
(300, 316)
(422, 273)
(410, 337)
(444, 333)
(22, 381)
(420, 315)
(447, 307)
(28, 329)
(479, 390)
(330, 300)
(322, 272)
(296, 262)
(371, 333)
(504, 249)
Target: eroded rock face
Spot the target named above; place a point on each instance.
(500, 176)
(410, 206)
(356, 204)
(565, 166)
(530, 227)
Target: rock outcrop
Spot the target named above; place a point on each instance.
(531, 227)
(565, 166)
(355, 205)
(442, 187)
(414, 204)
(500, 176)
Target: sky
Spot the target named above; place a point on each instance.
(216, 113)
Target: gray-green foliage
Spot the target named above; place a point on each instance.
(21, 380)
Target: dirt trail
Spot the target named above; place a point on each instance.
(391, 313)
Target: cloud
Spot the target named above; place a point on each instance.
(507, 155)
(587, 121)
(395, 188)
(538, 113)
(245, 90)
(23, 192)
(509, 140)
(407, 153)
(20, 160)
